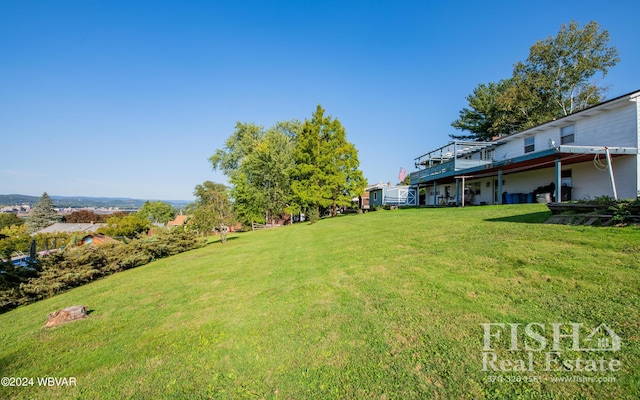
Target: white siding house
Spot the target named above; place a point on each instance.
(567, 158)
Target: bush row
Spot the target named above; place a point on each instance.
(75, 266)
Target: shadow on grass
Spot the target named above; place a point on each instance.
(216, 240)
(5, 362)
(531, 218)
(327, 218)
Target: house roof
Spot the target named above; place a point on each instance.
(374, 187)
(567, 119)
(95, 240)
(471, 147)
(538, 159)
(381, 186)
(180, 220)
(60, 227)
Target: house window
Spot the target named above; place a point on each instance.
(487, 155)
(568, 134)
(474, 188)
(529, 144)
(565, 178)
(375, 195)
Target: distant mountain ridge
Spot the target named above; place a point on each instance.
(84, 201)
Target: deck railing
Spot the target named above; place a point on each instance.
(454, 165)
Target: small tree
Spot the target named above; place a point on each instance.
(10, 219)
(157, 211)
(128, 226)
(212, 208)
(42, 214)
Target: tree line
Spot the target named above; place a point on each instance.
(16, 233)
(292, 167)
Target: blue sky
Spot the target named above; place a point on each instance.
(131, 98)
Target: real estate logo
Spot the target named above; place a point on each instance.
(555, 347)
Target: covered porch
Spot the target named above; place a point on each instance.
(556, 157)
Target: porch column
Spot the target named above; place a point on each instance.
(500, 186)
(613, 181)
(435, 193)
(457, 192)
(558, 180)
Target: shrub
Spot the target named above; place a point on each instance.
(76, 266)
(621, 213)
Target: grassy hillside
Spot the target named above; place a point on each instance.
(382, 305)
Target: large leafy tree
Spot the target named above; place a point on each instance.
(258, 164)
(229, 160)
(240, 144)
(267, 170)
(556, 79)
(212, 208)
(327, 174)
(157, 211)
(42, 214)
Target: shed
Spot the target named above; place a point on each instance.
(387, 195)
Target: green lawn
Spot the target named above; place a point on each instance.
(385, 305)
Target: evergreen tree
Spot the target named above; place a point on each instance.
(258, 164)
(481, 118)
(42, 214)
(327, 174)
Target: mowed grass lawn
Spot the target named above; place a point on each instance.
(385, 305)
